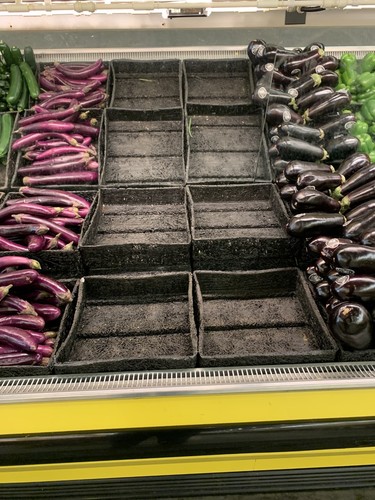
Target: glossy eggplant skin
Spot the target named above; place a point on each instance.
(320, 180)
(327, 253)
(297, 167)
(322, 267)
(308, 134)
(338, 125)
(255, 49)
(277, 54)
(304, 85)
(302, 62)
(315, 96)
(329, 78)
(359, 258)
(313, 46)
(355, 228)
(335, 102)
(286, 192)
(358, 196)
(353, 163)
(332, 302)
(323, 290)
(263, 96)
(363, 176)
(311, 200)
(368, 238)
(276, 114)
(330, 63)
(351, 324)
(356, 287)
(290, 148)
(361, 211)
(276, 76)
(308, 225)
(281, 180)
(279, 165)
(316, 245)
(339, 148)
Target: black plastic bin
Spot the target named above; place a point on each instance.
(239, 227)
(147, 84)
(143, 322)
(134, 230)
(259, 318)
(144, 148)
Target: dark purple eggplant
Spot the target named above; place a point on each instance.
(277, 77)
(297, 167)
(341, 147)
(273, 152)
(315, 96)
(281, 180)
(330, 63)
(255, 50)
(335, 102)
(353, 163)
(311, 200)
(315, 278)
(313, 46)
(333, 275)
(310, 270)
(290, 148)
(304, 85)
(363, 176)
(322, 267)
(357, 287)
(323, 290)
(287, 191)
(312, 224)
(361, 211)
(351, 324)
(332, 302)
(302, 132)
(368, 238)
(316, 245)
(338, 125)
(277, 54)
(359, 258)
(273, 131)
(264, 96)
(279, 113)
(328, 251)
(328, 78)
(279, 165)
(355, 228)
(273, 140)
(358, 196)
(320, 180)
(302, 62)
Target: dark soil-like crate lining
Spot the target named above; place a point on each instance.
(7, 164)
(147, 84)
(225, 145)
(62, 325)
(218, 82)
(59, 263)
(16, 158)
(138, 230)
(144, 147)
(259, 317)
(239, 227)
(131, 323)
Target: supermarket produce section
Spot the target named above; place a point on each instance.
(187, 254)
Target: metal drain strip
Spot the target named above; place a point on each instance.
(254, 379)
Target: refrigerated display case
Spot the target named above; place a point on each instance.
(265, 423)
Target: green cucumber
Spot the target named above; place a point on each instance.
(29, 56)
(30, 79)
(15, 87)
(16, 55)
(6, 133)
(5, 51)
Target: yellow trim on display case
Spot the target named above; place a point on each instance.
(209, 464)
(150, 411)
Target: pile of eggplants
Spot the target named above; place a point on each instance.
(62, 82)
(30, 307)
(328, 185)
(42, 219)
(58, 146)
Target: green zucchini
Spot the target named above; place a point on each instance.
(15, 87)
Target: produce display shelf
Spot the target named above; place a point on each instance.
(184, 403)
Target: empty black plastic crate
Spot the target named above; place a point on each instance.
(259, 317)
(239, 227)
(124, 322)
(144, 148)
(147, 84)
(138, 230)
(225, 145)
(218, 82)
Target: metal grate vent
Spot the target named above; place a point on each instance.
(276, 378)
